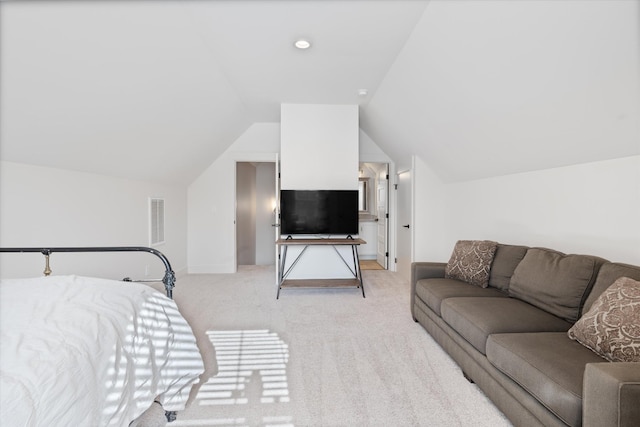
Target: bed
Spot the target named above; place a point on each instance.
(92, 352)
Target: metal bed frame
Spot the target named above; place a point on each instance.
(169, 278)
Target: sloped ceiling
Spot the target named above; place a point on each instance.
(156, 90)
(116, 88)
(489, 88)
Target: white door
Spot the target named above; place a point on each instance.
(276, 218)
(382, 187)
(404, 232)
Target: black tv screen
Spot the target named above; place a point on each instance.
(318, 212)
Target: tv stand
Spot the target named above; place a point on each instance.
(283, 282)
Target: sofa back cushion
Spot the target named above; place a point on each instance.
(609, 273)
(505, 261)
(555, 282)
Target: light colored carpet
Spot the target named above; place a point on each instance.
(320, 357)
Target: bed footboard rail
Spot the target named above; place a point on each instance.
(168, 280)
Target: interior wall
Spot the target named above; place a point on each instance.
(590, 208)
(319, 147)
(246, 213)
(430, 214)
(319, 151)
(55, 207)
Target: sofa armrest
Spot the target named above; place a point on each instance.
(611, 395)
(424, 270)
(427, 270)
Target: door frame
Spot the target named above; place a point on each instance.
(386, 187)
(248, 157)
(391, 203)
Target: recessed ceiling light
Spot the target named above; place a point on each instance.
(302, 44)
(362, 92)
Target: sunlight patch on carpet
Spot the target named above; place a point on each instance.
(252, 366)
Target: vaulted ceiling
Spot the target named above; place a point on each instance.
(157, 90)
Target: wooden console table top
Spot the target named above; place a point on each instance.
(305, 242)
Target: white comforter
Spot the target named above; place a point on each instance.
(76, 351)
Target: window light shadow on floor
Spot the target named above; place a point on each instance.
(252, 370)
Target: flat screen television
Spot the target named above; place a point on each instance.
(318, 212)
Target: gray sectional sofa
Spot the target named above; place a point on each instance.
(510, 337)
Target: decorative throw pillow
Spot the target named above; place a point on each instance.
(611, 327)
(471, 261)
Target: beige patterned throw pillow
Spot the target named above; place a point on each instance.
(471, 261)
(611, 327)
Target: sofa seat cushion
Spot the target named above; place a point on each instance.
(433, 291)
(548, 365)
(477, 318)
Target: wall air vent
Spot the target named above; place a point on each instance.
(156, 221)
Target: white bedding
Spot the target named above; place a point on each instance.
(78, 351)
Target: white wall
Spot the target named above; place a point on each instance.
(368, 150)
(319, 147)
(590, 208)
(55, 207)
(211, 200)
(430, 213)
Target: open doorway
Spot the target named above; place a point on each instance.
(255, 213)
(374, 215)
